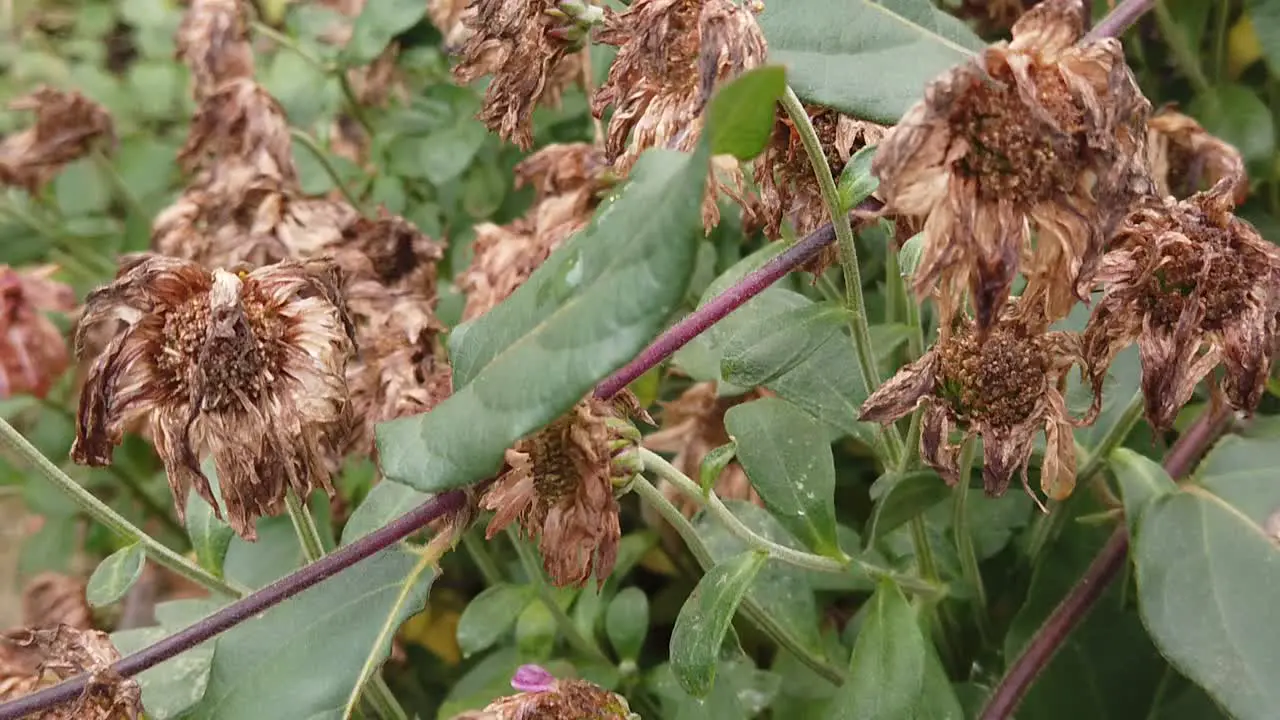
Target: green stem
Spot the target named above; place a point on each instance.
(721, 512)
(122, 189)
(1220, 43)
(90, 260)
(316, 151)
(480, 556)
(533, 569)
(335, 70)
(891, 440)
(964, 543)
(893, 296)
(112, 520)
(1186, 57)
(749, 607)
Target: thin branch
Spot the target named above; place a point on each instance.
(1118, 21)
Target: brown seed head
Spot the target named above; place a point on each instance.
(66, 128)
(213, 41)
(567, 700)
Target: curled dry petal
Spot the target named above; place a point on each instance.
(64, 652)
(240, 122)
(33, 353)
(213, 41)
(246, 368)
(1038, 133)
(67, 125)
(1185, 158)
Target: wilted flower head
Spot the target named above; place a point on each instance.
(1185, 158)
(1005, 390)
(246, 367)
(558, 483)
(241, 123)
(33, 352)
(213, 41)
(51, 599)
(568, 182)
(27, 655)
(542, 697)
(1196, 287)
(1035, 133)
(66, 128)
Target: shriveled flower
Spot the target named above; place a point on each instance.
(65, 652)
(1038, 133)
(1185, 158)
(542, 697)
(1196, 287)
(51, 599)
(67, 127)
(568, 182)
(213, 41)
(691, 426)
(558, 483)
(1005, 390)
(240, 122)
(247, 368)
(33, 353)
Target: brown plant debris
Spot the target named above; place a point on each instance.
(33, 353)
(213, 41)
(543, 697)
(1186, 159)
(558, 484)
(240, 123)
(568, 181)
(1038, 133)
(65, 652)
(247, 368)
(67, 127)
(51, 599)
(1005, 390)
(1196, 287)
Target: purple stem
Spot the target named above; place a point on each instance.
(1117, 21)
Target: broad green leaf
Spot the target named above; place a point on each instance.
(535, 632)
(909, 255)
(311, 653)
(741, 692)
(490, 615)
(444, 155)
(595, 303)
(894, 672)
(856, 181)
(210, 537)
(80, 189)
(304, 91)
(1242, 470)
(703, 356)
(705, 618)
(901, 498)
(1142, 481)
(773, 345)
(789, 463)
(1236, 114)
(897, 46)
(1264, 16)
(377, 25)
(115, 575)
(627, 622)
(742, 112)
(387, 501)
(714, 463)
(172, 687)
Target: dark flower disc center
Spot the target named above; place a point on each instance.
(1221, 268)
(998, 382)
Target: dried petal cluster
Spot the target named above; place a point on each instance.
(247, 368)
(32, 659)
(1185, 158)
(67, 125)
(1038, 133)
(33, 353)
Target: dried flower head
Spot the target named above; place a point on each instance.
(33, 353)
(1196, 287)
(51, 599)
(568, 181)
(691, 426)
(558, 483)
(1185, 158)
(1035, 133)
(247, 368)
(67, 127)
(1004, 389)
(521, 43)
(542, 697)
(66, 652)
(239, 122)
(213, 41)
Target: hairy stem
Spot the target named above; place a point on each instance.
(109, 518)
(1104, 569)
(533, 569)
(305, 527)
(241, 610)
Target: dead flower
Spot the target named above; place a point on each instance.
(240, 123)
(51, 599)
(1036, 133)
(1004, 389)
(1185, 158)
(245, 367)
(33, 353)
(691, 426)
(213, 41)
(68, 652)
(67, 127)
(521, 43)
(558, 483)
(1196, 287)
(568, 181)
(542, 697)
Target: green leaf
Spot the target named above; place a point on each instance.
(377, 25)
(909, 255)
(1141, 480)
(81, 190)
(901, 498)
(789, 462)
(704, 620)
(1264, 16)
(303, 90)
(595, 303)
(714, 463)
(740, 118)
(856, 181)
(172, 687)
(490, 615)
(210, 537)
(444, 155)
(770, 346)
(115, 575)
(897, 47)
(741, 692)
(893, 672)
(627, 622)
(1237, 115)
(387, 501)
(535, 631)
(702, 357)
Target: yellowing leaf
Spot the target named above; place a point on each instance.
(1243, 48)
